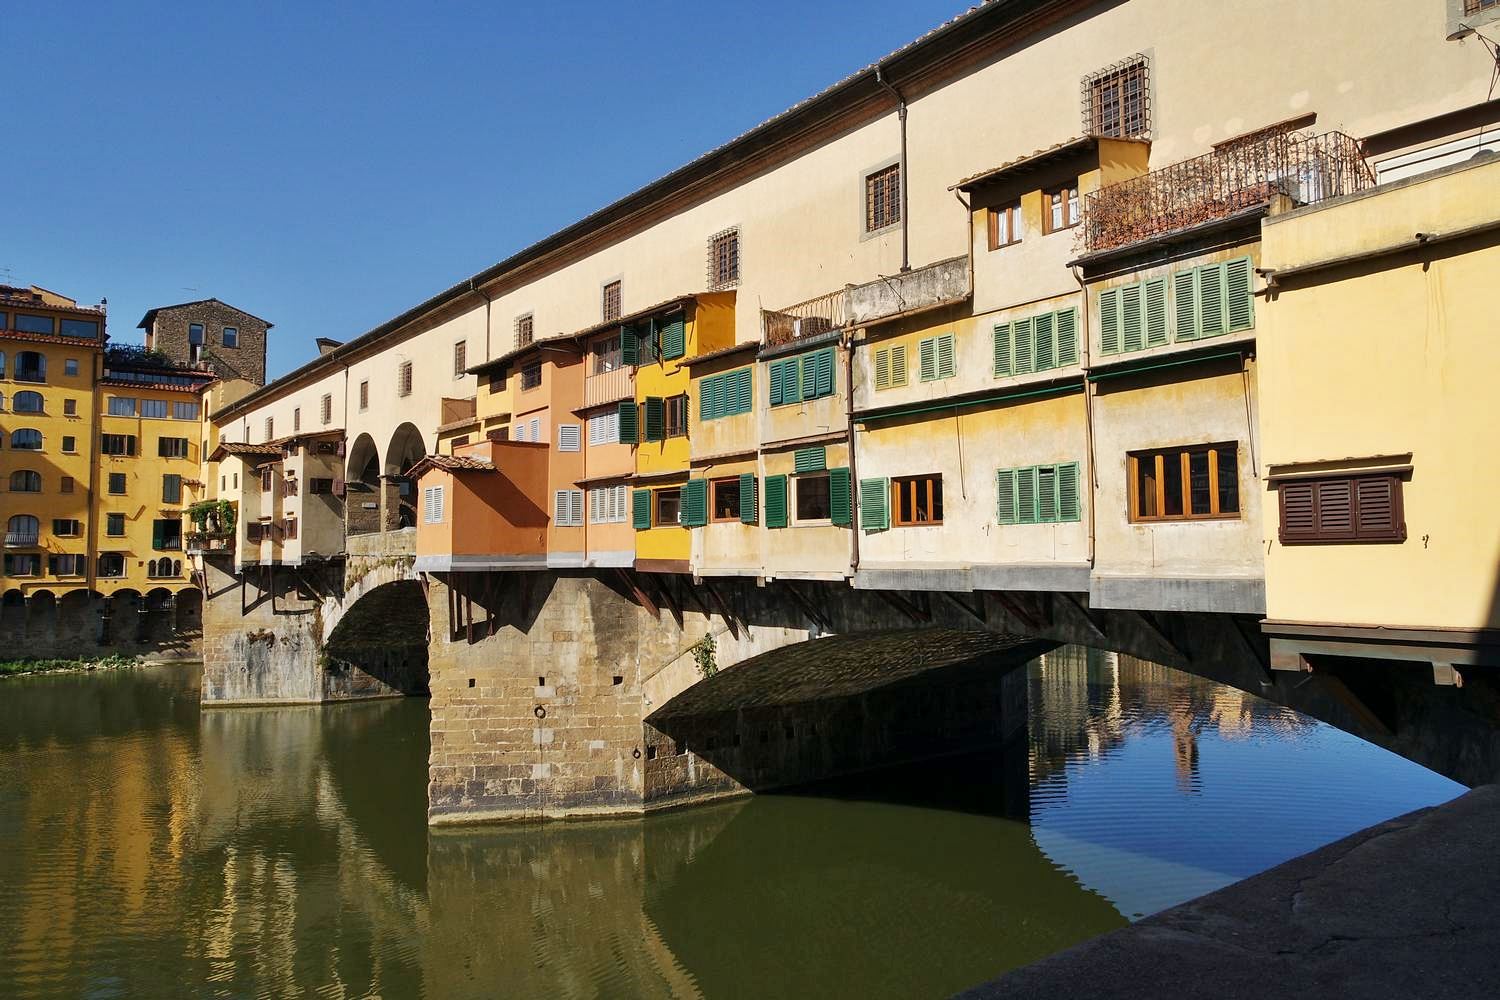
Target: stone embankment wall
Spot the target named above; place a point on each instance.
(81, 626)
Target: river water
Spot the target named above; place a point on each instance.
(150, 849)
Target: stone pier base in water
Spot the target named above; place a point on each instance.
(1408, 908)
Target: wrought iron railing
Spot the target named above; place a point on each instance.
(805, 319)
(1246, 174)
(21, 539)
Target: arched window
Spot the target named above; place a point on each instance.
(22, 529)
(25, 481)
(31, 366)
(26, 402)
(151, 568)
(26, 439)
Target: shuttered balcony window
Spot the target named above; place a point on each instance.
(1346, 509)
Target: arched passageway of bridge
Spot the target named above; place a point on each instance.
(405, 450)
(379, 646)
(362, 487)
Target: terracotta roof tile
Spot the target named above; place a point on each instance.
(450, 463)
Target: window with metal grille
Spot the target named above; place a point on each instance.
(883, 198)
(523, 330)
(404, 379)
(531, 376)
(460, 358)
(1117, 100)
(610, 302)
(296, 419)
(724, 259)
(676, 415)
(1185, 484)
(1343, 509)
(270, 428)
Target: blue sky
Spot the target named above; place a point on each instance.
(326, 166)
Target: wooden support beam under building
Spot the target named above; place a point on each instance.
(1012, 605)
(723, 607)
(975, 611)
(808, 608)
(906, 607)
(644, 601)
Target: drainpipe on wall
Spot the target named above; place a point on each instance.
(969, 214)
(1088, 414)
(95, 508)
(905, 207)
(848, 341)
(488, 301)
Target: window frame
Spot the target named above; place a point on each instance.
(880, 201)
(1067, 198)
(611, 300)
(724, 259)
(1395, 534)
(722, 483)
(1096, 99)
(606, 355)
(1182, 453)
(1015, 225)
(674, 416)
(460, 358)
(795, 517)
(405, 379)
(530, 376)
(933, 482)
(657, 496)
(110, 521)
(229, 336)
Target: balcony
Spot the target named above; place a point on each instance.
(943, 283)
(1247, 175)
(803, 320)
(607, 387)
(21, 539)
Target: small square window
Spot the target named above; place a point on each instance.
(883, 198)
(531, 375)
(70, 407)
(1060, 208)
(668, 507)
(69, 445)
(610, 304)
(231, 336)
(70, 366)
(1005, 225)
(810, 496)
(724, 503)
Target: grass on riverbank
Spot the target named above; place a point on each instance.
(16, 668)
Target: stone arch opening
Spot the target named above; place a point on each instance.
(77, 620)
(157, 616)
(124, 617)
(379, 646)
(362, 487)
(41, 623)
(405, 450)
(189, 614)
(13, 616)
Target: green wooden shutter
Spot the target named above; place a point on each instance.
(1132, 335)
(640, 509)
(809, 376)
(825, 371)
(629, 421)
(776, 389)
(776, 501)
(1067, 337)
(1046, 493)
(1005, 496)
(1045, 354)
(1067, 492)
(1156, 312)
(655, 419)
(630, 345)
(927, 364)
(1002, 350)
(810, 459)
(1211, 300)
(674, 338)
(748, 512)
(1240, 304)
(898, 365)
(840, 500)
(158, 530)
(1026, 512)
(694, 503)
(743, 398)
(1185, 304)
(651, 340)
(874, 504)
(1109, 321)
(945, 356)
(706, 409)
(1022, 344)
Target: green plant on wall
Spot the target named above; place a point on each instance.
(220, 511)
(703, 652)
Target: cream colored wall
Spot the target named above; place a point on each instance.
(729, 547)
(815, 551)
(809, 417)
(1398, 357)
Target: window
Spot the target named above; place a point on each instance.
(171, 488)
(28, 564)
(87, 329)
(724, 499)
(604, 428)
(325, 409)
(163, 568)
(668, 506)
(117, 444)
(432, 505)
(811, 500)
(936, 358)
(112, 564)
(364, 396)
(184, 411)
(155, 409)
(676, 414)
(25, 481)
(296, 419)
(289, 529)
(917, 500)
(567, 509)
(231, 337)
(809, 376)
(319, 486)
(31, 367)
(29, 323)
(403, 379)
(523, 330)
(66, 484)
(890, 367)
(166, 534)
(607, 505)
(22, 529)
(1180, 484)
(725, 395)
(117, 484)
(67, 565)
(1060, 208)
(1038, 494)
(27, 439)
(70, 366)
(114, 525)
(67, 527)
(609, 305)
(883, 198)
(26, 402)
(605, 355)
(724, 259)
(460, 358)
(121, 406)
(569, 437)
(267, 478)
(1005, 225)
(1116, 100)
(531, 375)
(270, 428)
(1343, 509)
(1036, 344)
(195, 334)
(70, 407)
(172, 447)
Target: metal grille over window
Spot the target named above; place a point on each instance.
(724, 259)
(404, 379)
(460, 358)
(1117, 100)
(883, 198)
(611, 302)
(523, 330)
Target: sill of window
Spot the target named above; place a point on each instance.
(823, 523)
(1002, 246)
(918, 524)
(1149, 521)
(728, 520)
(872, 234)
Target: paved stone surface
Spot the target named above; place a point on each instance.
(1409, 908)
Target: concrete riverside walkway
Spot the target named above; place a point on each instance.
(1408, 908)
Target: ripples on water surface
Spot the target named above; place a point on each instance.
(148, 849)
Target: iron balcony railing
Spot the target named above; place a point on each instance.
(805, 319)
(21, 539)
(1231, 179)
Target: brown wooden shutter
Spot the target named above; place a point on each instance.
(1299, 521)
(1378, 513)
(1335, 507)
(1350, 509)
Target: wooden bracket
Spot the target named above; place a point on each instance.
(1014, 606)
(640, 595)
(1260, 656)
(723, 607)
(1158, 630)
(808, 608)
(906, 607)
(1088, 618)
(670, 599)
(975, 612)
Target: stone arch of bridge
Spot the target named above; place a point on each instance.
(379, 644)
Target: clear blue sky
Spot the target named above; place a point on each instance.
(328, 165)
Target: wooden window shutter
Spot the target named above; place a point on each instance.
(810, 459)
(791, 388)
(1156, 312)
(674, 339)
(809, 363)
(1021, 344)
(629, 421)
(1299, 517)
(640, 509)
(776, 501)
(1002, 350)
(711, 397)
(1378, 507)
(883, 368)
(945, 356)
(1045, 354)
(1109, 321)
(1046, 493)
(898, 365)
(825, 371)
(1005, 496)
(656, 419)
(927, 364)
(776, 383)
(840, 499)
(630, 345)
(1067, 337)
(158, 534)
(1026, 512)
(1132, 336)
(738, 396)
(748, 512)
(1185, 304)
(695, 503)
(1335, 507)
(1211, 300)
(874, 504)
(1067, 492)
(1239, 294)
